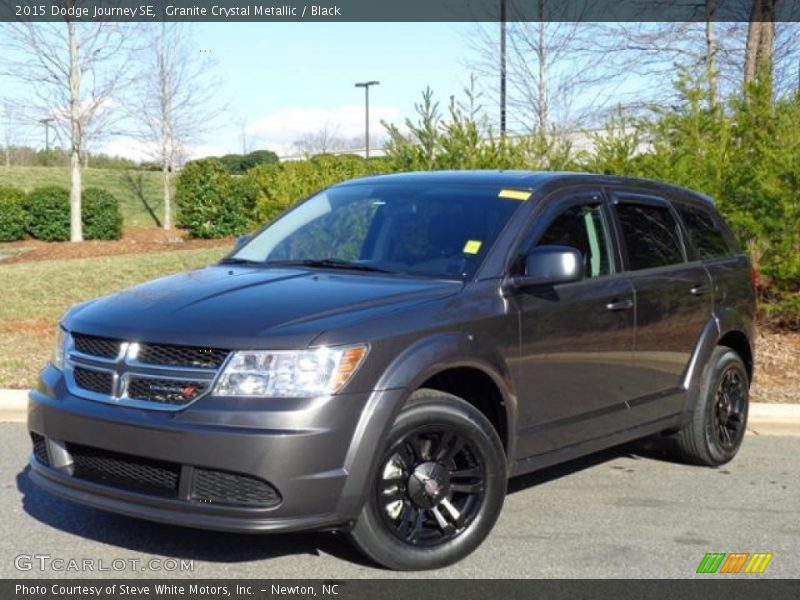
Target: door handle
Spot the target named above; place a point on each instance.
(625, 304)
(699, 290)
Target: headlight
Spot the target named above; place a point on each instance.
(296, 373)
(57, 359)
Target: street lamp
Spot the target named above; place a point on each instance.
(366, 85)
(46, 122)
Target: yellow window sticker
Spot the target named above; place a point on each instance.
(472, 247)
(514, 194)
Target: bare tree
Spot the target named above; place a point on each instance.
(10, 124)
(173, 104)
(555, 75)
(71, 73)
(326, 139)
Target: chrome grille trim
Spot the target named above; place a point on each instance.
(124, 367)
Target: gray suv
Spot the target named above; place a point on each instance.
(382, 357)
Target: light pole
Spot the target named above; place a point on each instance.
(46, 122)
(366, 85)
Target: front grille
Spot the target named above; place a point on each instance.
(165, 391)
(181, 356)
(96, 346)
(40, 449)
(165, 375)
(100, 382)
(220, 487)
(132, 473)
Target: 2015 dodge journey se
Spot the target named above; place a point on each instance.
(382, 357)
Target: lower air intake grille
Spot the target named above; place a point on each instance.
(100, 382)
(133, 473)
(219, 487)
(40, 449)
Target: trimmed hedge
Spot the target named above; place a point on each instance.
(102, 219)
(13, 216)
(48, 214)
(211, 203)
(281, 185)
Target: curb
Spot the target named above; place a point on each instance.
(764, 418)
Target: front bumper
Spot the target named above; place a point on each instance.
(316, 453)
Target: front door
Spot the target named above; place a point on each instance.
(576, 339)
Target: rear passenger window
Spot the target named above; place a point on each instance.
(651, 235)
(706, 236)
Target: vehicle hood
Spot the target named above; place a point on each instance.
(243, 307)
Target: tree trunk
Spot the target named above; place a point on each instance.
(166, 175)
(760, 40)
(711, 56)
(75, 227)
(542, 82)
(167, 137)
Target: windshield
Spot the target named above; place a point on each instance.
(438, 231)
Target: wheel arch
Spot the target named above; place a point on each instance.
(434, 362)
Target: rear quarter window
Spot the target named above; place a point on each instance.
(705, 232)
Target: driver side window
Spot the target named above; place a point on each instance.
(582, 227)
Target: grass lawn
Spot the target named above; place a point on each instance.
(135, 190)
(35, 295)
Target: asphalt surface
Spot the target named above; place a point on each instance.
(623, 513)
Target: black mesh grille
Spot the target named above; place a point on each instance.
(219, 487)
(40, 449)
(165, 391)
(181, 356)
(94, 381)
(96, 346)
(133, 473)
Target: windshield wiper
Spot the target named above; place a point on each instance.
(329, 263)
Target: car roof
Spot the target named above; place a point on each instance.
(516, 179)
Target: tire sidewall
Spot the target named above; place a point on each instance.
(370, 531)
(724, 359)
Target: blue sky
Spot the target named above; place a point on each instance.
(283, 79)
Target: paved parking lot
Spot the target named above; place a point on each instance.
(625, 513)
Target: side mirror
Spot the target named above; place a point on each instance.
(240, 241)
(550, 265)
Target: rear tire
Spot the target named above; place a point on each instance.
(719, 419)
(439, 487)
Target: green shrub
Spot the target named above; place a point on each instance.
(211, 203)
(13, 216)
(48, 213)
(102, 219)
(278, 186)
(258, 157)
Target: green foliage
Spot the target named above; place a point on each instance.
(462, 139)
(210, 202)
(13, 216)
(281, 185)
(238, 164)
(48, 213)
(102, 219)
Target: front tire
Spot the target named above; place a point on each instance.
(439, 487)
(715, 433)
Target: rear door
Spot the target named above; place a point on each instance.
(673, 300)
